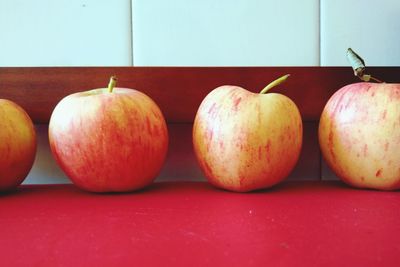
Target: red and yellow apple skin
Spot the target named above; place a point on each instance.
(109, 141)
(17, 145)
(245, 141)
(359, 135)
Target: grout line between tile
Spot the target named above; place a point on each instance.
(319, 33)
(132, 59)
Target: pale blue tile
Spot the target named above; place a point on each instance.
(225, 33)
(65, 33)
(371, 28)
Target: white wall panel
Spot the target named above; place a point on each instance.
(65, 33)
(180, 163)
(225, 32)
(371, 28)
(45, 169)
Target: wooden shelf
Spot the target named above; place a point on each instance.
(177, 90)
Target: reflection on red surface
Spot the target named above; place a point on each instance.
(191, 223)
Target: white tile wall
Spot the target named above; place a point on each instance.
(45, 169)
(371, 28)
(225, 32)
(198, 33)
(65, 33)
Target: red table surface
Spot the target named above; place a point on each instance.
(194, 224)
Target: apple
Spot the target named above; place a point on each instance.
(359, 135)
(245, 141)
(109, 139)
(17, 145)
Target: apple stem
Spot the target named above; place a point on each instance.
(274, 83)
(112, 83)
(358, 65)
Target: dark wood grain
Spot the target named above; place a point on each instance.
(177, 90)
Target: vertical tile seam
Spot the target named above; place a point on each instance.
(132, 56)
(319, 33)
